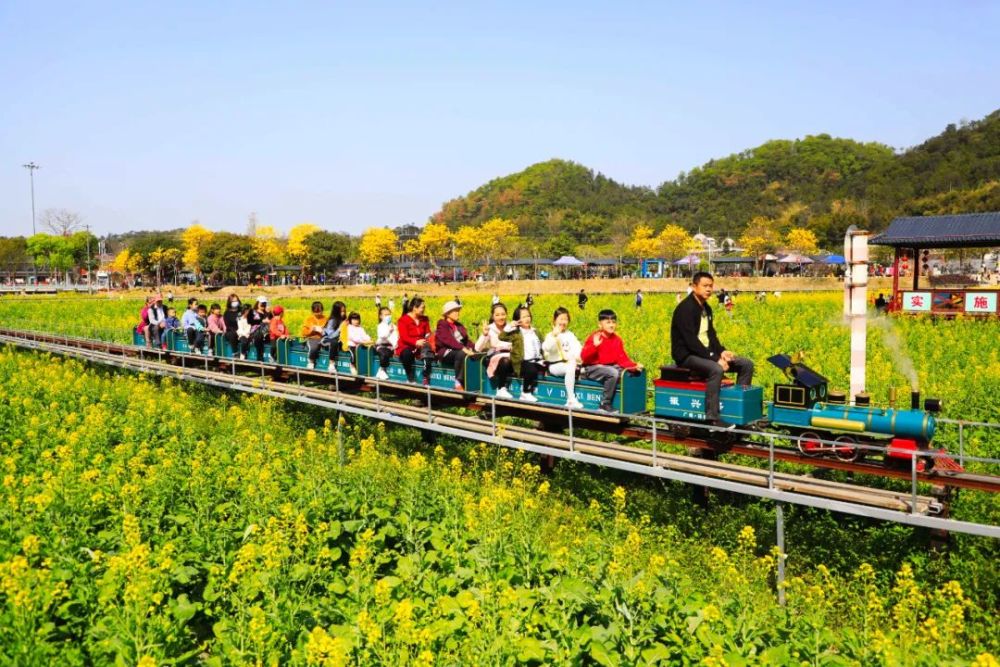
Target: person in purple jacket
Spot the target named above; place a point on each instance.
(453, 343)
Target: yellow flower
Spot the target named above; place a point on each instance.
(325, 651)
(618, 498)
(711, 613)
(370, 630)
(146, 661)
(985, 660)
(30, 545)
(747, 538)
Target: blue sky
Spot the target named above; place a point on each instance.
(150, 115)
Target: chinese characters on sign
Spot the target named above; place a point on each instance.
(980, 302)
(917, 302)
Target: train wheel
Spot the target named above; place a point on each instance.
(845, 449)
(810, 444)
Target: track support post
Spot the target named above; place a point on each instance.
(779, 520)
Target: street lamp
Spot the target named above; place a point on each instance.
(31, 167)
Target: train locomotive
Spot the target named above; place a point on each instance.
(804, 406)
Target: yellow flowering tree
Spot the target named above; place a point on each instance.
(378, 245)
(675, 241)
(194, 239)
(802, 241)
(643, 244)
(760, 237)
(268, 246)
(435, 242)
(297, 249)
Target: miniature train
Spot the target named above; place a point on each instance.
(804, 406)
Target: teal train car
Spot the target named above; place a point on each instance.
(630, 395)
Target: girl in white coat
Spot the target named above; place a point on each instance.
(561, 350)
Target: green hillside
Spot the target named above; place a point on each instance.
(828, 182)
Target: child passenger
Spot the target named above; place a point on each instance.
(356, 335)
(243, 331)
(170, 323)
(604, 357)
(200, 331)
(386, 339)
(216, 325)
(562, 354)
(277, 330)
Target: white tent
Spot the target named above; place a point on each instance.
(567, 260)
(795, 258)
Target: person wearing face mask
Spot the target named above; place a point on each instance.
(562, 355)
(386, 339)
(231, 319)
(312, 332)
(604, 358)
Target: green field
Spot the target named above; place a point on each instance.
(149, 523)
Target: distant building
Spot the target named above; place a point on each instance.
(407, 232)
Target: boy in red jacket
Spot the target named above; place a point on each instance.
(414, 340)
(604, 357)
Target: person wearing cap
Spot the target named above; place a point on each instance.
(276, 327)
(604, 358)
(259, 319)
(156, 315)
(695, 345)
(453, 344)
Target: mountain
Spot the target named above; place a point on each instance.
(558, 200)
(822, 182)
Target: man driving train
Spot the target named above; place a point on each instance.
(695, 345)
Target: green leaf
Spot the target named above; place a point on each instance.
(529, 649)
(184, 609)
(656, 653)
(602, 656)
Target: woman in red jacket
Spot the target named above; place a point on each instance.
(414, 340)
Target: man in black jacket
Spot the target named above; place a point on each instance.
(695, 345)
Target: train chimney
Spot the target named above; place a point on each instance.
(914, 400)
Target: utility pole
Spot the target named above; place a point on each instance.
(31, 167)
(90, 269)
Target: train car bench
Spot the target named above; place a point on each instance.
(680, 393)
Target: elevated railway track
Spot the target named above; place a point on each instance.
(431, 410)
